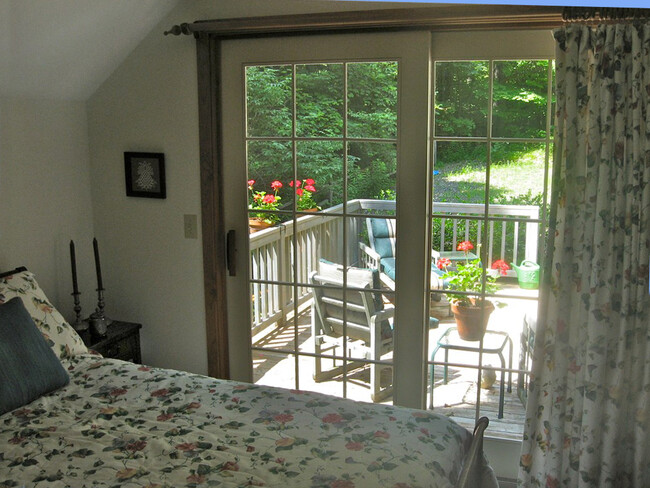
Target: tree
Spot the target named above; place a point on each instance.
(461, 110)
(320, 117)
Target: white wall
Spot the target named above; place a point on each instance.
(45, 196)
(153, 275)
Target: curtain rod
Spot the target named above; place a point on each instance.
(604, 14)
(439, 18)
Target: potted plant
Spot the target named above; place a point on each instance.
(263, 202)
(470, 311)
(305, 190)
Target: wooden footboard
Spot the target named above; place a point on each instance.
(471, 475)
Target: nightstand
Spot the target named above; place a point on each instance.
(122, 341)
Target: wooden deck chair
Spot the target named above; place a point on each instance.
(382, 234)
(368, 323)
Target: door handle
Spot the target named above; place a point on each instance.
(231, 253)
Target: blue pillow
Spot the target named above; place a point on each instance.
(28, 366)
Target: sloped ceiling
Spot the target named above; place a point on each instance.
(64, 49)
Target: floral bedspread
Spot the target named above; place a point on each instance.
(122, 424)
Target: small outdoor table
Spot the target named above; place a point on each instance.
(456, 256)
(493, 343)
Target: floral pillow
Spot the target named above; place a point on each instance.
(60, 335)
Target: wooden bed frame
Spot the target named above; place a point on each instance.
(470, 475)
(13, 271)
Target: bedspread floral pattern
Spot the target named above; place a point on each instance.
(121, 424)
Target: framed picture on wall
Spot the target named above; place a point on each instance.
(145, 174)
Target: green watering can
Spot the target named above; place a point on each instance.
(527, 274)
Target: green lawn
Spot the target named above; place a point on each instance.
(516, 181)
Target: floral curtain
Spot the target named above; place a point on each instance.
(588, 412)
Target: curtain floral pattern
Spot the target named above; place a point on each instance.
(588, 413)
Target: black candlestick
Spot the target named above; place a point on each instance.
(73, 261)
(79, 325)
(98, 268)
(98, 320)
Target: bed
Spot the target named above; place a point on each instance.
(116, 424)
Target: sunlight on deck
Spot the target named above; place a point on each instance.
(456, 399)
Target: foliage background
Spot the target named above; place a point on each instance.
(519, 109)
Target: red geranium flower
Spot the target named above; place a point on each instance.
(310, 188)
(465, 246)
(276, 185)
(251, 183)
(443, 263)
(297, 183)
(268, 199)
(501, 265)
(299, 192)
(309, 181)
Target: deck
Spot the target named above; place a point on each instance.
(456, 399)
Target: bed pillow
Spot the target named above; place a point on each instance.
(62, 338)
(28, 366)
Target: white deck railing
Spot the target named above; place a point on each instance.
(465, 216)
(321, 236)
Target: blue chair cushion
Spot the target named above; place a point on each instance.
(384, 235)
(388, 267)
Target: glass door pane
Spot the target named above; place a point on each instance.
(321, 160)
(491, 163)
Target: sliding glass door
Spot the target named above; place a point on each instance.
(326, 155)
(359, 170)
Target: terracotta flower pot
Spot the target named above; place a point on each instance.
(471, 321)
(257, 225)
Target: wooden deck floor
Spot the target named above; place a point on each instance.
(456, 399)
